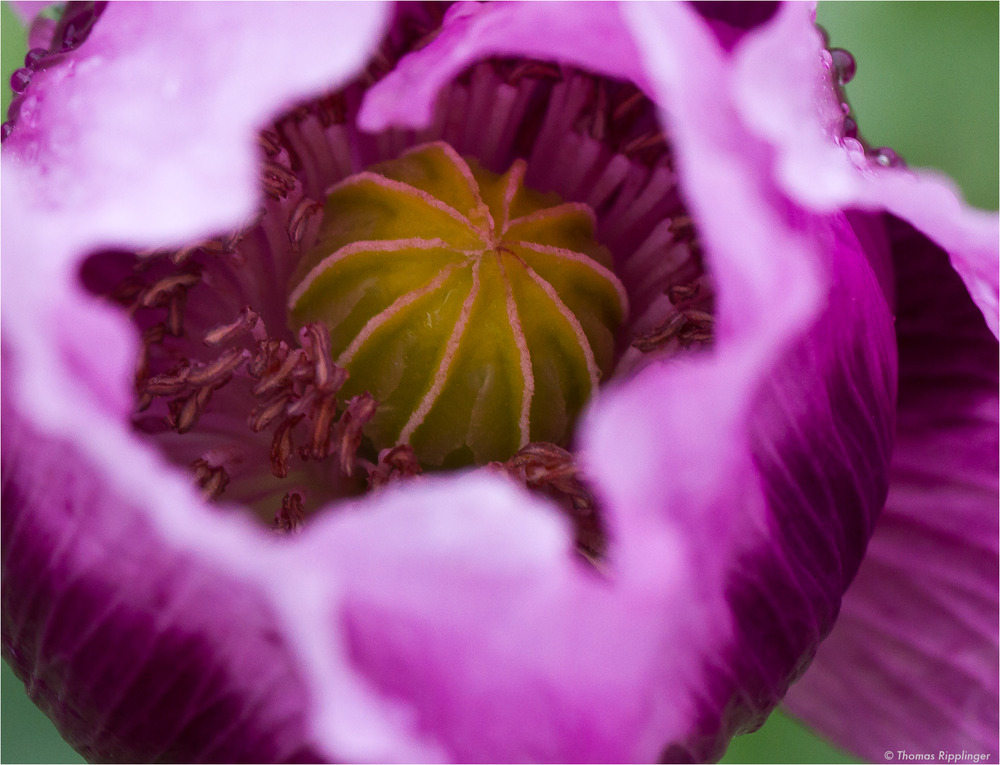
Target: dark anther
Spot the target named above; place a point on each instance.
(552, 470)
(536, 70)
(660, 334)
(291, 517)
(278, 180)
(270, 142)
(331, 110)
(347, 432)
(305, 212)
(212, 480)
(393, 464)
(323, 416)
(229, 332)
(282, 447)
(160, 293)
(151, 336)
(682, 228)
(681, 293)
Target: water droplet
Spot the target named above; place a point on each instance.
(850, 127)
(845, 108)
(34, 56)
(5, 130)
(855, 151)
(886, 157)
(845, 65)
(20, 79)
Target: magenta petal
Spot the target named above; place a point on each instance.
(912, 663)
(137, 651)
(463, 604)
(820, 419)
(158, 112)
(821, 437)
(595, 39)
(780, 91)
(144, 136)
(450, 619)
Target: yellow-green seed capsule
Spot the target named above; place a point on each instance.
(479, 313)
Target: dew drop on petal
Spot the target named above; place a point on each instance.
(34, 57)
(886, 157)
(20, 79)
(845, 65)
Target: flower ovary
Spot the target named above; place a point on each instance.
(479, 313)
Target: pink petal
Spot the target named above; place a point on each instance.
(894, 671)
(137, 650)
(783, 478)
(912, 663)
(779, 90)
(158, 112)
(596, 39)
(159, 87)
(452, 621)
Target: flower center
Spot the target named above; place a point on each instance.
(478, 313)
(404, 302)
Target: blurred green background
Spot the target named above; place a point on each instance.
(927, 85)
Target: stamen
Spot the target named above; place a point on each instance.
(161, 292)
(184, 412)
(227, 333)
(282, 447)
(278, 181)
(270, 142)
(594, 143)
(266, 413)
(216, 372)
(394, 464)
(659, 335)
(290, 519)
(152, 336)
(323, 415)
(359, 413)
(212, 480)
(553, 470)
(305, 215)
(282, 375)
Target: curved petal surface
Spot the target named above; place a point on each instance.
(779, 95)
(912, 663)
(775, 266)
(137, 651)
(400, 610)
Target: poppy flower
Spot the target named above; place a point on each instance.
(803, 332)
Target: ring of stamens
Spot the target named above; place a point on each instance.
(619, 166)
